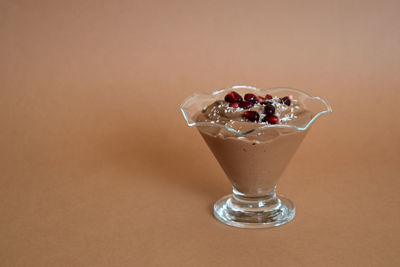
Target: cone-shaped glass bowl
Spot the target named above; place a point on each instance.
(255, 157)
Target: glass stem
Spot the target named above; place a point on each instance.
(240, 200)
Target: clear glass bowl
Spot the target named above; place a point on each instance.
(254, 158)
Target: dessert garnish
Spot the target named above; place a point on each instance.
(246, 104)
(251, 115)
(286, 100)
(269, 109)
(233, 97)
(258, 109)
(271, 119)
(251, 98)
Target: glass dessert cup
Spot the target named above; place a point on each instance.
(253, 158)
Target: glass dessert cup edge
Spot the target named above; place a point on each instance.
(190, 121)
(241, 209)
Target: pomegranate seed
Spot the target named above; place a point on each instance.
(272, 119)
(246, 104)
(251, 115)
(269, 109)
(268, 96)
(251, 98)
(260, 99)
(266, 103)
(234, 105)
(286, 100)
(233, 97)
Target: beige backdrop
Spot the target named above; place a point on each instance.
(97, 167)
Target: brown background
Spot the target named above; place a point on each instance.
(97, 167)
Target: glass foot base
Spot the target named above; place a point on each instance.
(254, 213)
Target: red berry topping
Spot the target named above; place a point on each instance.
(286, 100)
(269, 109)
(272, 119)
(234, 105)
(251, 98)
(268, 96)
(246, 104)
(233, 97)
(266, 103)
(251, 115)
(260, 99)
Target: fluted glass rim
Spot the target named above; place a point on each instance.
(191, 121)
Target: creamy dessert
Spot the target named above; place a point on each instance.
(253, 135)
(253, 162)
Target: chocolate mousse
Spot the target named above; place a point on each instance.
(254, 160)
(253, 135)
